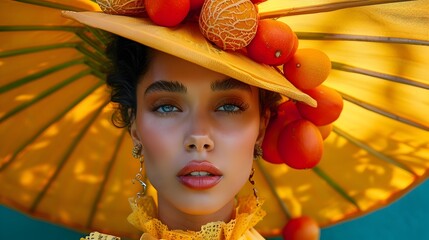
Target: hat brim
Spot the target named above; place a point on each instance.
(186, 41)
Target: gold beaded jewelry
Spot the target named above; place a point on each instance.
(257, 152)
(255, 192)
(137, 153)
(137, 149)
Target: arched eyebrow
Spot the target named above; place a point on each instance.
(177, 87)
(166, 86)
(229, 84)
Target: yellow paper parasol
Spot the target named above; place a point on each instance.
(62, 160)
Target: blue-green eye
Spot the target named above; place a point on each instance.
(166, 109)
(229, 108)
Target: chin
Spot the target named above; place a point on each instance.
(203, 204)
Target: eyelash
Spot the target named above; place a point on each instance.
(241, 107)
(239, 104)
(158, 108)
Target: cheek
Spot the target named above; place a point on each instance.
(237, 153)
(161, 149)
(158, 136)
(240, 139)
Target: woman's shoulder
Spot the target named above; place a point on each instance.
(100, 236)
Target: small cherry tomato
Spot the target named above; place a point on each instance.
(301, 228)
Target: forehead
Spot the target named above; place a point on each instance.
(166, 67)
(163, 63)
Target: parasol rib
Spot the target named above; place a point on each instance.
(352, 69)
(359, 38)
(323, 8)
(45, 94)
(96, 69)
(91, 42)
(372, 151)
(79, 32)
(100, 35)
(97, 60)
(335, 186)
(51, 5)
(273, 190)
(21, 51)
(48, 124)
(105, 178)
(67, 154)
(95, 57)
(38, 28)
(385, 113)
(38, 75)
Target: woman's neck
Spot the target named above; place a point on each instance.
(178, 220)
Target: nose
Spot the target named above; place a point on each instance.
(199, 143)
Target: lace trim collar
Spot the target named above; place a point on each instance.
(248, 213)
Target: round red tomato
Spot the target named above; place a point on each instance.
(273, 43)
(301, 228)
(290, 110)
(287, 112)
(300, 144)
(329, 106)
(167, 13)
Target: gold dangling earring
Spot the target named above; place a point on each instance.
(142, 200)
(255, 192)
(257, 152)
(137, 149)
(137, 153)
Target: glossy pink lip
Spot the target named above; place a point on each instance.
(199, 182)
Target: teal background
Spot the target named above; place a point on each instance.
(407, 218)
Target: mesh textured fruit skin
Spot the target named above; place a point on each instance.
(123, 7)
(230, 24)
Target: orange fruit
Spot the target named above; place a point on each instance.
(325, 130)
(270, 151)
(308, 68)
(287, 112)
(301, 228)
(167, 13)
(273, 43)
(329, 106)
(231, 25)
(300, 144)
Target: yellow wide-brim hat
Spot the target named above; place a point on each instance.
(187, 42)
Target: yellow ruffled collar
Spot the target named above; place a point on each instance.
(248, 214)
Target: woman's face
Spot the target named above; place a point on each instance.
(198, 129)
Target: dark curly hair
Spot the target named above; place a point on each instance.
(130, 60)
